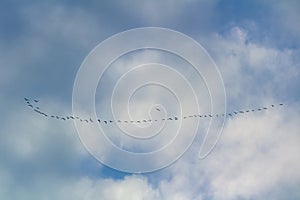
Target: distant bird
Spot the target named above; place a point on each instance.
(30, 105)
(157, 109)
(281, 104)
(105, 122)
(36, 101)
(37, 111)
(175, 118)
(91, 120)
(26, 99)
(170, 118)
(99, 120)
(241, 111)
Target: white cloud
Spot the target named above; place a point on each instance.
(131, 188)
(251, 69)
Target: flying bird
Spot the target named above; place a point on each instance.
(38, 110)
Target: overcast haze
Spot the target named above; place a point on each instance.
(256, 46)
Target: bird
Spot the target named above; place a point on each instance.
(36, 101)
(157, 109)
(26, 99)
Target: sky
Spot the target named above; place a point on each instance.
(255, 46)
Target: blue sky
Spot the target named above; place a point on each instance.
(255, 45)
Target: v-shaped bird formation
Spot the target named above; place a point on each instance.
(33, 104)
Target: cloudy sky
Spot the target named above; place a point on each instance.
(256, 46)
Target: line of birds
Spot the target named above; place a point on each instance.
(90, 120)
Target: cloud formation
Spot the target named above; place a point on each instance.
(42, 45)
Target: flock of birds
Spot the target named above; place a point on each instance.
(32, 104)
